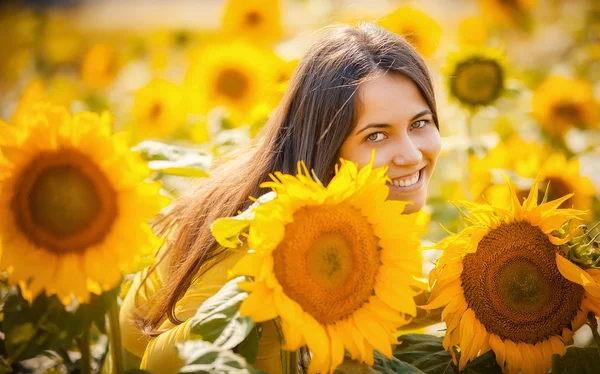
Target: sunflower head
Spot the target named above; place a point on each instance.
(561, 103)
(235, 75)
(257, 20)
(524, 160)
(476, 76)
(419, 29)
(75, 206)
(507, 13)
(505, 284)
(158, 109)
(339, 265)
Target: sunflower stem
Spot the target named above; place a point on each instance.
(593, 323)
(116, 347)
(84, 347)
(290, 362)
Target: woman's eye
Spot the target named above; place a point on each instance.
(419, 124)
(375, 137)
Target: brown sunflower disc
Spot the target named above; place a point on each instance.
(328, 261)
(64, 202)
(514, 287)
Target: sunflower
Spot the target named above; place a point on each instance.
(422, 31)
(560, 103)
(525, 160)
(99, 66)
(476, 76)
(158, 109)
(74, 206)
(235, 75)
(257, 20)
(506, 287)
(34, 92)
(339, 265)
(59, 90)
(507, 13)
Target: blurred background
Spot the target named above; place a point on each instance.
(517, 81)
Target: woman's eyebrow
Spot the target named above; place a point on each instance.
(421, 114)
(373, 125)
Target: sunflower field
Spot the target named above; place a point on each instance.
(113, 111)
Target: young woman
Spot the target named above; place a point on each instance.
(356, 90)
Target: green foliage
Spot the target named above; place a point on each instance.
(426, 353)
(577, 360)
(218, 321)
(202, 357)
(31, 330)
(174, 160)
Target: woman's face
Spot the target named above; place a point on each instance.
(395, 121)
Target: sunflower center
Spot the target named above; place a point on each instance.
(64, 202)
(155, 111)
(232, 83)
(327, 261)
(569, 112)
(252, 18)
(514, 287)
(477, 82)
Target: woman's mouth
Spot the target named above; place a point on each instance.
(407, 182)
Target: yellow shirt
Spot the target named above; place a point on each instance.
(159, 355)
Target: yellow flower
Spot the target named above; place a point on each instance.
(526, 160)
(235, 75)
(99, 66)
(338, 264)
(158, 109)
(422, 31)
(257, 20)
(560, 103)
(507, 13)
(59, 91)
(472, 31)
(505, 285)
(74, 205)
(62, 42)
(33, 93)
(476, 76)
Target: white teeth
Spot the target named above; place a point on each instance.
(407, 182)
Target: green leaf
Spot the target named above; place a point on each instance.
(577, 360)
(195, 166)
(485, 363)
(226, 230)
(249, 347)
(46, 324)
(174, 160)
(382, 365)
(427, 353)
(218, 319)
(202, 357)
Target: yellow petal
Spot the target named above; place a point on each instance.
(373, 331)
(337, 348)
(259, 304)
(499, 349)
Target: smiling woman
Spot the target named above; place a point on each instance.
(357, 90)
(395, 120)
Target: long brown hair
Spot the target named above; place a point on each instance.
(315, 116)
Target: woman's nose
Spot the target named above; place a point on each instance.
(407, 153)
